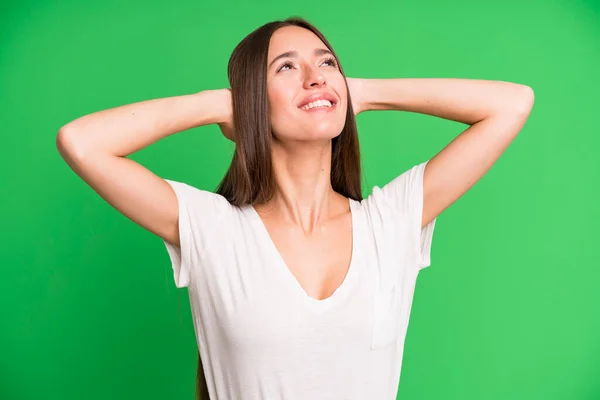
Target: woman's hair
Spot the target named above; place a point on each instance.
(250, 178)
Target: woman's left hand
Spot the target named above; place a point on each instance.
(355, 89)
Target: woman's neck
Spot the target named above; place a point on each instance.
(304, 195)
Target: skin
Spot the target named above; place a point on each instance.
(309, 223)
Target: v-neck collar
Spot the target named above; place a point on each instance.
(341, 291)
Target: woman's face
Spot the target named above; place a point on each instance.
(307, 92)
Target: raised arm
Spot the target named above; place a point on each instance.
(95, 146)
(495, 110)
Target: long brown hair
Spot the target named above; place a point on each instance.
(250, 178)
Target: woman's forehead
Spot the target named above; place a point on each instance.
(293, 39)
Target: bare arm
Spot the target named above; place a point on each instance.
(495, 110)
(95, 146)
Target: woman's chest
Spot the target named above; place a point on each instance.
(249, 298)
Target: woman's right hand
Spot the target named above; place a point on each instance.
(225, 113)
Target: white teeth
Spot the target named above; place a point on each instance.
(318, 103)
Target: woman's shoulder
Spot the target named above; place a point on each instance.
(198, 199)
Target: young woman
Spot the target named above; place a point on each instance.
(299, 288)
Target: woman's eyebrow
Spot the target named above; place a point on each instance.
(292, 54)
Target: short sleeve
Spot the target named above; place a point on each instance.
(199, 213)
(405, 194)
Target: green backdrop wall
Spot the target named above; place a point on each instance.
(509, 308)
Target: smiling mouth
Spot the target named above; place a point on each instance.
(318, 105)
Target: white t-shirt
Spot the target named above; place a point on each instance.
(259, 334)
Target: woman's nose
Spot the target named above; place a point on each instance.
(314, 78)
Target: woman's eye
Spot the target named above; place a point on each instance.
(287, 64)
(331, 61)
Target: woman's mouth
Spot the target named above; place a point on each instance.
(319, 105)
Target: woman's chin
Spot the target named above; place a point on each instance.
(315, 136)
(323, 131)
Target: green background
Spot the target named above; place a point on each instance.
(509, 308)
